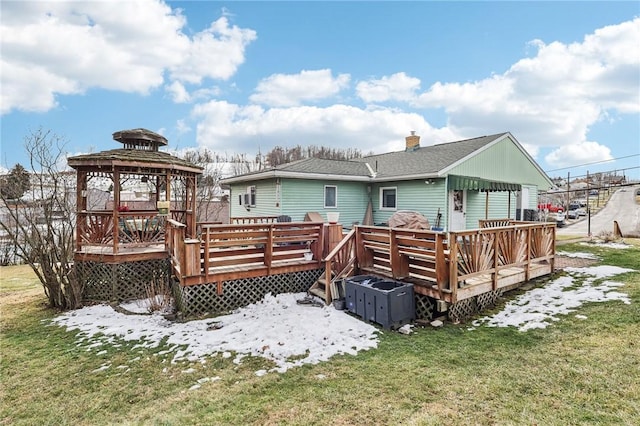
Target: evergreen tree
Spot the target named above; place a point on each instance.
(16, 183)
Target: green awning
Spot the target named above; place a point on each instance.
(457, 183)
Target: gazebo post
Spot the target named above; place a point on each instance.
(81, 203)
(116, 208)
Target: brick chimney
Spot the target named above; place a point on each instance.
(413, 142)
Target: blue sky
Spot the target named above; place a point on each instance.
(238, 77)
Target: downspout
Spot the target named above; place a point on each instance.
(446, 203)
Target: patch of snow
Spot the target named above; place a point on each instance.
(276, 328)
(189, 371)
(194, 387)
(578, 255)
(607, 245)
(582, 317)
(539, 307)
(406, 329)
(101, 368)
(143, 306)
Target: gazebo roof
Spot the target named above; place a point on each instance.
(142, 136)
(140, 151)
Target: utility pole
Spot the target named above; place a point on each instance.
(588, 207)
(568, 190)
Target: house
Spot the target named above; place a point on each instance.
(453, 184)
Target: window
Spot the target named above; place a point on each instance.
(251, 196)
(388, 198)
(330, 196)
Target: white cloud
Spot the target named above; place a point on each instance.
(178, 92)
(222, 126)
(397, 87)
(216, 52)
(580, 153)
(182, 127)
(282, 90)
(63, 48)
(554, 97)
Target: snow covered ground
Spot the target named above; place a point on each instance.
(277, 328)
(291, 334)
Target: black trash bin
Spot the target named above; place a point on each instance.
(386, 302)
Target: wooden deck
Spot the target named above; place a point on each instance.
(444, 266)
(230, 252)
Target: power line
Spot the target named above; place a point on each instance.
(595, 162)
(615, 171)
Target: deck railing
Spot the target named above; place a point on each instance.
(340, 262)
(483, 257)
(228, 252)
(245, 220)
(447, 266)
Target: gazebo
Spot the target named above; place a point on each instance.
(120, 233)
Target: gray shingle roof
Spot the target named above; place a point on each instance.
(425, 160)
(428, 160)
(333, 167)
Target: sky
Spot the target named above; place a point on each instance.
(243, 77)
(305, 334)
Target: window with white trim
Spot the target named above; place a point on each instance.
(330, 196)
(388, 198)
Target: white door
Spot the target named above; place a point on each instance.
(523, 202)
(457, 209)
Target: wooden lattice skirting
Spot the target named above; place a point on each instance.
(204, 298)
(122, 281)
(465, 309)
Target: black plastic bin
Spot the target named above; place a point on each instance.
(386, 302)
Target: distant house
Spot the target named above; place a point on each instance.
(453, 184)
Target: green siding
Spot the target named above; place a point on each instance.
(498, 209)
(413, 195)
(265, 199)
(301, 196)
(502, 162)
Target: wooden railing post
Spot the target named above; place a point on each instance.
(528, 257)
(442, 270)
(399, 263)
(207, 252)
(268, 249)
(453, 266)
(495, 259)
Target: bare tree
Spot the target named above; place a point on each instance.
(209, 198)
(41, 225)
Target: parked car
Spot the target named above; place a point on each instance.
(593, 192)
(581, 212)
(572, 214)
(557, 217)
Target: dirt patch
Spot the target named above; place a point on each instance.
(562, 262)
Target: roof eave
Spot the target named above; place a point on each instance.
(294, 175)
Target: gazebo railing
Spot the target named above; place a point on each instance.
(134, 229)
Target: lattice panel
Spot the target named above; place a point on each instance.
(425, 306)
(462, 310)
(123, 281)
(487, 300)
(98, 280)
(204, 298)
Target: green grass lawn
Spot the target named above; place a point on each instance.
(573, 372)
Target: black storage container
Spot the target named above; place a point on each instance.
(386, 302)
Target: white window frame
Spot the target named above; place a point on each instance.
(335, 187)
(382, 189)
